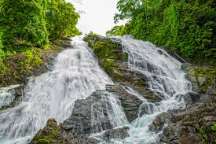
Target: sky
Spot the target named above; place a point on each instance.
(96, 15)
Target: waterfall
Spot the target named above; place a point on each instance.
(165, 78)
(75, 75)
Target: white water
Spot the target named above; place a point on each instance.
(165, 78)
(113, 109)
(75, 75)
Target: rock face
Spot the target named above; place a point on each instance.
(160, 121)
(55, 134)
(85, 118)
(190, 126)
(117, 133)
(10, 96)
(129, 102)
(90, 115)
(195, 124)
(138, 82)
(114, 61)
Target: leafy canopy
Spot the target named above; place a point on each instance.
(181, 26)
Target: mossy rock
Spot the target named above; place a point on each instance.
(203, 78)
(114, 61)
(18, 66)
(108, 52)
(49, 134)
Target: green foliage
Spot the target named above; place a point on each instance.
(14, 67)
(213, 127)
(24, 24)
(32, 23)
(1, 45)
(31, 59)
(207, 76)
(117, 30)
(208, 134)
(50, 135)
(182, 26)
(61, 19)
(27, 26)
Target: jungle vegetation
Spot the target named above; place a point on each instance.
(27, 28)
(185, 27)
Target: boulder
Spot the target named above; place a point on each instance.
(53, 133)
(129, 102)
(10, 96)
(138, 82)
(116, 133)
(90, 115)
(160, 121)
(185, 126)
(191, 98)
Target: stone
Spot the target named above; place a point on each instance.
(90, 115)
(191, 97)
(159, 122)
(129, 102)
(53, 133)
(116, 133)
(10, 96)
(188, 136)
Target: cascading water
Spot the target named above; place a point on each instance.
(75, 75)
(165, 78)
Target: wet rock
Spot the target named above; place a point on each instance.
(138, 82)
(129, 102)
(191, 98)
(188, 136)
(159, 122)
(117, 133)
(176, 134)
(90, 115)
(170, 135)
(185, 126)
(10, 96)
(147, 108)
(203, 78)
(53, 133)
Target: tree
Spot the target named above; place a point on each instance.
(181, 26)
(23, 23)
(61, 19)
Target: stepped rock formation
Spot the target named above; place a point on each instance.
(149, 99)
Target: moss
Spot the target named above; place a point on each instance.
(17, 66)
(205, 77)
(208, 134)
(49, 135)
(108, 52)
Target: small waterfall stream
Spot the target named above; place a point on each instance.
(76, 74)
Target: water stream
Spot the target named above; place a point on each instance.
(76, 74)
(165, 78)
